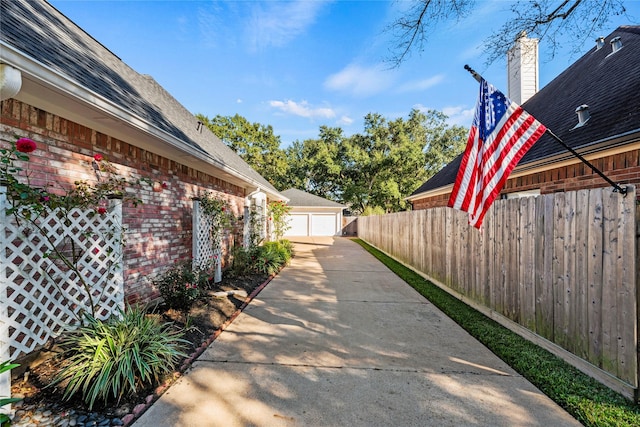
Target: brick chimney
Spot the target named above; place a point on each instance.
(522, 69)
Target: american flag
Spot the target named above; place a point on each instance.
(501, 133)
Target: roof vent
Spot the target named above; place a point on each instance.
(583, 115)
(616, 44)
(599, 43)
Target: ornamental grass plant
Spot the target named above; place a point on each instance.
(271, 257)
(108, 360)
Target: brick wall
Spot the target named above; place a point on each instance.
(623, 168)
(159, 230)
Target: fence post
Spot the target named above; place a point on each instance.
(637, 266)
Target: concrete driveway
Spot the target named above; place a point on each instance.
(337, 339)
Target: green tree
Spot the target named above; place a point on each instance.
(255, 143)
(316, 165)
(386, 162)
(392, 158)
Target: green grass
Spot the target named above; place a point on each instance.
(590, 402)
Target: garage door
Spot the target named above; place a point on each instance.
(312, 224)
(323, 225)
(299, 225)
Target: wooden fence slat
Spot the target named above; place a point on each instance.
(569, 270)
(594, 275)
(544, 291)
(580, 331)
(512, 285)
(559, 276)
(609, 286)
(627, 270)
(526, 260)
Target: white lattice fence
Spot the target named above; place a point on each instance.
(40, 295)
(207, 248)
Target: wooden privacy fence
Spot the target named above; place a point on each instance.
(563, 266)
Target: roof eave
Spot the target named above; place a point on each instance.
(430, 193)
(45, 88)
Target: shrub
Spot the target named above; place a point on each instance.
(288, 247)
(240, 262)
(284, 249)
(266, 259)
(269, 258)
(181, 286)
(115, 358)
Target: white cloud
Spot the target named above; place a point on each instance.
(345, 120)
(459, 115)
(420, 85)
(277, 23)
(238, 101)
(360, 81)
(302, 109)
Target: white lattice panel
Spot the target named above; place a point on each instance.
(41, 296)
(207, 247)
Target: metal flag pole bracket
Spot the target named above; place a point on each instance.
(616, 187)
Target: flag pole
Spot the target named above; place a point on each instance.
(616, 187)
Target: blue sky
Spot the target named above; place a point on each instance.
(298, 65)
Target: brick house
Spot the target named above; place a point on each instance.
(594, 107)
(75, 98)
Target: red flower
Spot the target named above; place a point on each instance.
(165, 185)
(222, 209)
(101, 210)
(97, 157)
(25, 145)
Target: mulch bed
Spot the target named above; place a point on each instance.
(203, 324)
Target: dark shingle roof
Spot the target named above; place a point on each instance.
(299, 198)
(608, 83)
(41, 32)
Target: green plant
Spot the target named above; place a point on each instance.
(181, 285)
(283, 248)
(111, 359)
(279, 216)
(256, 226)
(5, 367)
(288, 247)
(269, 258)
(240, 262)
(589, 401)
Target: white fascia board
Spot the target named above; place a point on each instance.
(40, 74)
(435, 192)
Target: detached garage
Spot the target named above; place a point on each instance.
(312, 215)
